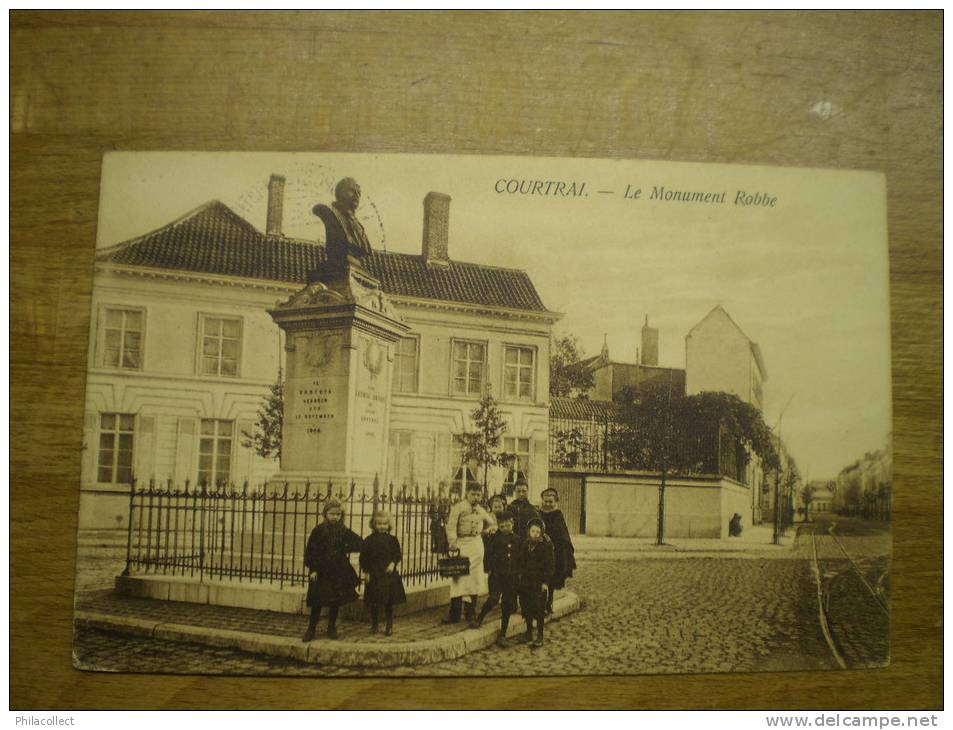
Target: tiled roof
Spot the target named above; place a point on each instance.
(581, 409)
(215, 240)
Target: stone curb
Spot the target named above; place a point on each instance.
(323, 651)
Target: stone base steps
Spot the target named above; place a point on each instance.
(322, 650)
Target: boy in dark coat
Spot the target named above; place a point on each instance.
(536, 571)
(522, 510)
(563, 551)
(332, 580)
(503, 557)
(380, 556)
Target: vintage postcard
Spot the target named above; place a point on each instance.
(406, 415)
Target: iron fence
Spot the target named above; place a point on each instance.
(594, 444)
(258, 534)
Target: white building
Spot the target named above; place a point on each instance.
(182, 352)
(719, 356)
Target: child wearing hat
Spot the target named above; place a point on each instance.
(564, 553)
(503, 557)
(332, 580)
(380, 556)
(536, 572)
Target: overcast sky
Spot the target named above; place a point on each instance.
(806, 279)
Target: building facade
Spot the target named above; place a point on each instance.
(720, 357)
(182, 353)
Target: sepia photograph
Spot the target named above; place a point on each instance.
(431, 415)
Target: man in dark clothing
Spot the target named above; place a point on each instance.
(734, 526)
(563, 550)
(536, 571)
(503, 564)
(522, 510)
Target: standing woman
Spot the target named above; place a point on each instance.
(332, 580)
(465, 526)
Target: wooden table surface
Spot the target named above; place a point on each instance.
(845, 90)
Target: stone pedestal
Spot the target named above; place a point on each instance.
(340, 332)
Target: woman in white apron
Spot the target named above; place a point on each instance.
(464, 532)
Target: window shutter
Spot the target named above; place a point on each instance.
(185, 448)
(245, 459)
(90, 448)
(144, 444)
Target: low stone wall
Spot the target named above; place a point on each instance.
(626, 505)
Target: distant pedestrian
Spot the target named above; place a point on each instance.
(564, 553)
(503, 558)
(331, 579)
(522, 510)
(380, 556)
(734, 526)
(465, 524)
(536, 571)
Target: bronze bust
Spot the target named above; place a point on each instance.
(344, 234)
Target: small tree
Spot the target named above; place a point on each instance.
(483, 444)
(567, 375)
(807, 496)
(570, 446)
(266, 438)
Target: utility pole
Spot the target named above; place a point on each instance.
(777, 479)
(660, 531)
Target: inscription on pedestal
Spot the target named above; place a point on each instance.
(317, 401)
(341, 333)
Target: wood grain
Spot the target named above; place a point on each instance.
(718, 87)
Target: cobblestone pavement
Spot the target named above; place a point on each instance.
(641, 616)
(859, 626)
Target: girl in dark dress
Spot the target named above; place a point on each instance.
(563, 551)
(536, 571)
(380, 556)
(332, 580)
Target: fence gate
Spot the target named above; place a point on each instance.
(572, 499)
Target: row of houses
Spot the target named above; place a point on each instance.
(865, 487)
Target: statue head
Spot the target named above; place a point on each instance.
(347, 193)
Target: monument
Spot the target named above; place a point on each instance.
(340, 334)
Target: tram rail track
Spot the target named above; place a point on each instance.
(827, 570)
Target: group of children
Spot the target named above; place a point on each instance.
(518, 554)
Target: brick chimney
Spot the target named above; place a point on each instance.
(276, 201)
(649, 344)
(436, 228)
